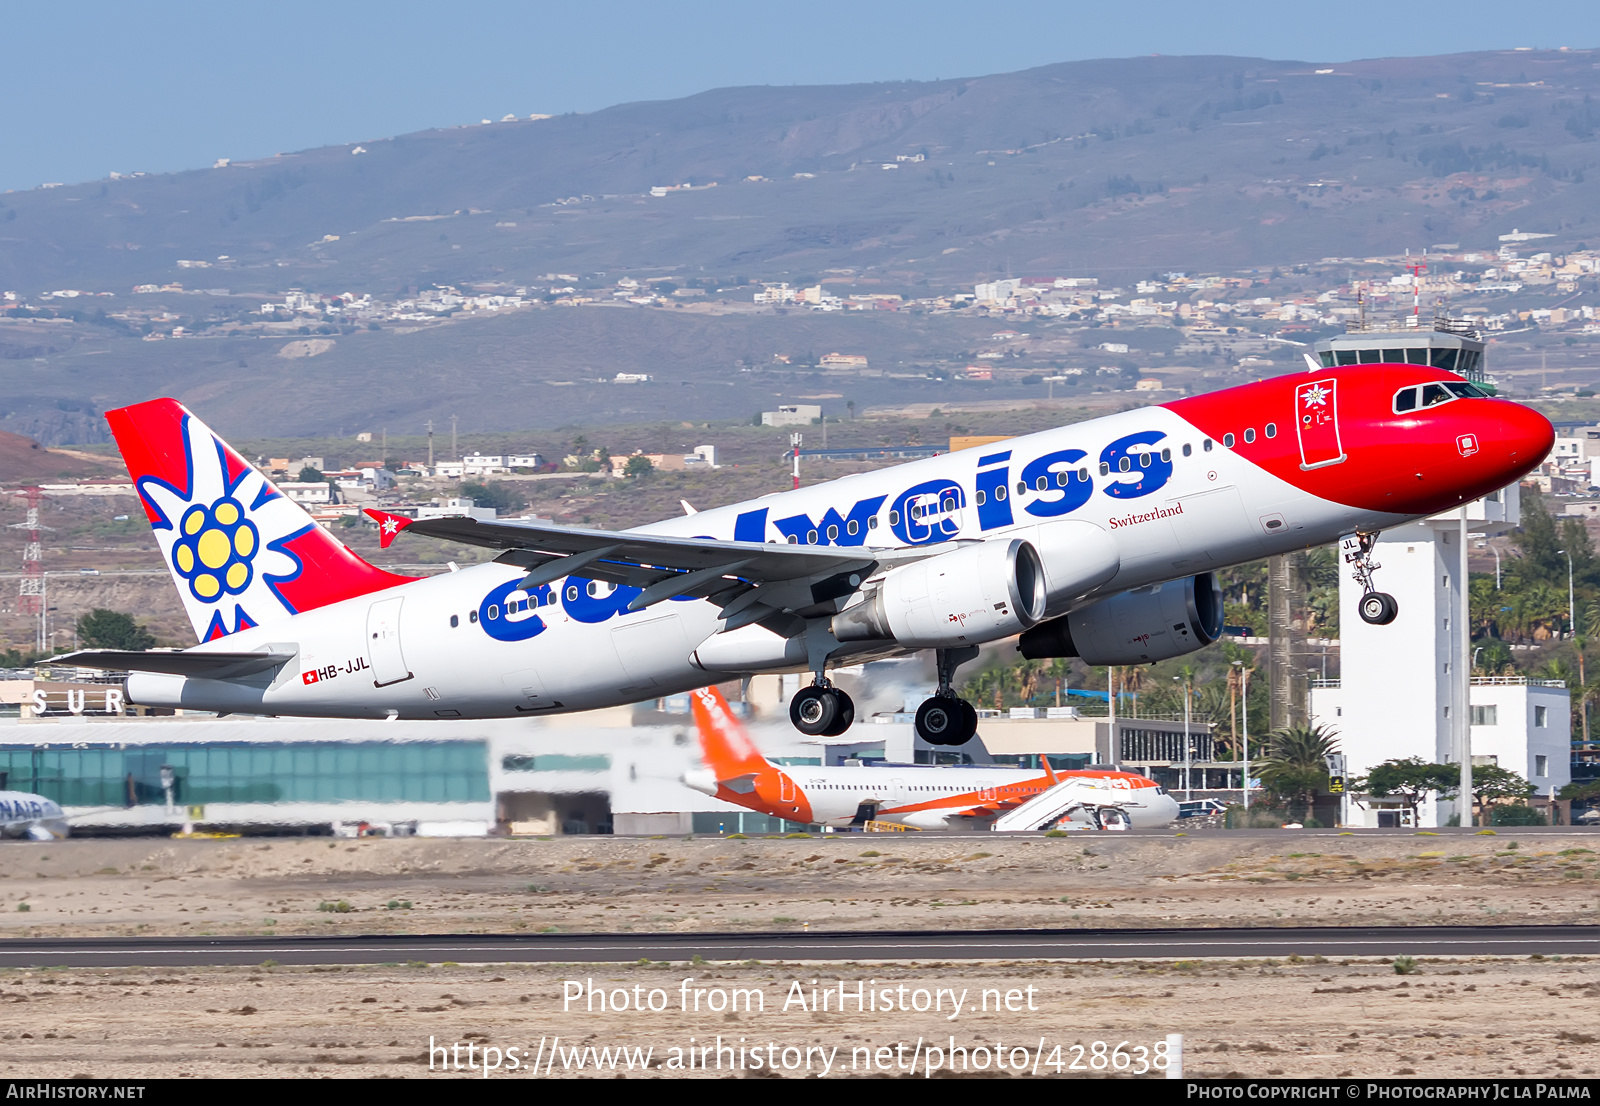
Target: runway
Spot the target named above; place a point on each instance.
(1172, 944)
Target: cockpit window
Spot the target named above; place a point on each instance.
(1435, 394)
(1431, 395)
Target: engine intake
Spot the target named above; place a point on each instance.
(1136, 627)
(965, 597)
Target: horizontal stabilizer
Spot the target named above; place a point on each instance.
(201, 666)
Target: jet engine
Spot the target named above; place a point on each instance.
(1136, 627)
(965, 597)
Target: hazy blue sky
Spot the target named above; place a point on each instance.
(89, 88)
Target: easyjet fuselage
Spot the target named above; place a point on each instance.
(1197, 484)
(929, 797)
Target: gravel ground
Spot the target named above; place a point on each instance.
(1477, 1017)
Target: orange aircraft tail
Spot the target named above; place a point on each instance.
(727, 749)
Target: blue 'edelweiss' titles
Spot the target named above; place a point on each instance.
(230, 563)
(1055, 484)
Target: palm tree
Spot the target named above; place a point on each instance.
(1295, 767)
(1133, 681)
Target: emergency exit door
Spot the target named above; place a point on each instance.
(383, 643)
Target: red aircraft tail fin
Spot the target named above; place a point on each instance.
(241, 552)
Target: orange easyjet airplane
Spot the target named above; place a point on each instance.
(923, 796)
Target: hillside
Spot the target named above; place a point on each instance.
(1124, 165)
(1119, 169)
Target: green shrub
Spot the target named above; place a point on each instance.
(1405, 965)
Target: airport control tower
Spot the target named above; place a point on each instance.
(1404, 685)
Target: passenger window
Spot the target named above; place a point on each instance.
(1021, 487)
(852, 528)
(894, 518)
(1123, 464)
(1250, 435)
(811, 537)
(1227, 441)
(1083, 474)
(572, 589)
(980, 499)
(872, 523)
(472, 616)
(1105, 469)
(493, 612)
(1405, 400)
(833, 533)
(1042, 483)
(1144, 460)
(1206, 445)
(455, 620)
(1061, 478)
(1272, 430)
(999, 493)
(1187, 449)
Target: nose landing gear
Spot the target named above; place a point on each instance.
(1377, 608)
(944, 718)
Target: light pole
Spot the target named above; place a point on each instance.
(1244, 694)
(1186, 750)
(1572, 620)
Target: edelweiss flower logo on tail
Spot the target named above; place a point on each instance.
(241, 553)
(223, 534)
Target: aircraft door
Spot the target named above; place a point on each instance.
(785, 788)
(383, 643)
(1316, 408)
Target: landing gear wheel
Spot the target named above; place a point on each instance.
(815, 710)
(942, 720)
(969, 719)
(845, 713)
(1378, 608)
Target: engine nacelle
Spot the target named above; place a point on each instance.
(966, 597)
(1136, 627)
(1077, 557)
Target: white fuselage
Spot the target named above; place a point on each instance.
(24, 814)
(933, 797)
(572, 645)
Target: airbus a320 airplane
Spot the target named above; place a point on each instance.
(1095, 540)
(916, 795)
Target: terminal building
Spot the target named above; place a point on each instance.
(609, 771)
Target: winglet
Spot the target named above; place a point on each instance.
(388, 525)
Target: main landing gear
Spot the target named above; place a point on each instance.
(1376, 607)
(944, 718)
(822, 710)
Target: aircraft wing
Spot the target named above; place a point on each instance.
(204, 666)
(749, 580)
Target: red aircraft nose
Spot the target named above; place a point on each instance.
(1525, 436)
